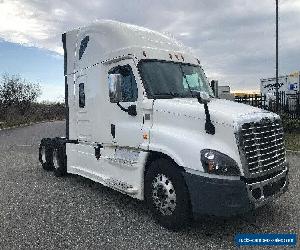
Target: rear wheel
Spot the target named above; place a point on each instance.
(167, 195)
(59, 158)
(45, 154)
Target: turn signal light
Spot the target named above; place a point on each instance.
(211, 166)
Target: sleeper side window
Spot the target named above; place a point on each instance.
(129, 85)
(81, 95)
(83, 46)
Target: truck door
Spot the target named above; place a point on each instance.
(126, 130)
(81, 102)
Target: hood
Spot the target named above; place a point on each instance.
(221, 111)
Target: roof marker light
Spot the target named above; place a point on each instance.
(170, 55)
(198, 61)
(176, 57)
(182, 57)
(144, 53)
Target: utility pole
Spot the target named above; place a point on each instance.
(277, 85)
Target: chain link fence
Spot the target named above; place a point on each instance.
(288, 106)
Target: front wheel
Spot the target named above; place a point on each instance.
(167, 195)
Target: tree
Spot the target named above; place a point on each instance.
(18, 92)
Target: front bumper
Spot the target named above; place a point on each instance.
(229, 197)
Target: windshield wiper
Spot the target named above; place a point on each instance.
(163, 95)
(169, 94)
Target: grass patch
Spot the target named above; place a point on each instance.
(292, 141)
(36, 112)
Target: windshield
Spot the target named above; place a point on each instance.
(164, 79)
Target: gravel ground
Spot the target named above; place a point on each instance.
(38, 210)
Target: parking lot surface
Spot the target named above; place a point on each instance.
(38, 210)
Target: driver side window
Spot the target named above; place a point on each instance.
(129, 85)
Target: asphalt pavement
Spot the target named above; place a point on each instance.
(40, 211)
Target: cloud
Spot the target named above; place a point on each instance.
(52, 92)
(234, 39)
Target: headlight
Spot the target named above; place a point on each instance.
(215, 162)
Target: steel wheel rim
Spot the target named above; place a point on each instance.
(43, 154)
(55, 160)
(163, 194)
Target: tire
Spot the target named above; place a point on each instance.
(59, 157)
(167, 195)
(45, 154)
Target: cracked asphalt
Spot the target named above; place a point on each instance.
(40, 211)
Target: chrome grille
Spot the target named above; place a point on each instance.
(262, 145)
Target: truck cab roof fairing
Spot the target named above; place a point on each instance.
(107, 36)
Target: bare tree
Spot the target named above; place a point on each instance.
(18, 92)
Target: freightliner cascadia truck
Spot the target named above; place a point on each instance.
(142, 119)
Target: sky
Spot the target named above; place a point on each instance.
(234, 39)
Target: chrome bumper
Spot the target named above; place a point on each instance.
(261, 192)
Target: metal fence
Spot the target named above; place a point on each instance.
(288, 104)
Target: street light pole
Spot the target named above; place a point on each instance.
(277, 94)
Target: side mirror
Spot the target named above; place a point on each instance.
(115, 87)
(204, 97)
(132, 110)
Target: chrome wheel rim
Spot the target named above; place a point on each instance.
(43, 154)
(163, 194)
(55, 160)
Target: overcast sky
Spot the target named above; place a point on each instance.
(234, 39)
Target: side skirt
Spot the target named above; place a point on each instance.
(120, 186)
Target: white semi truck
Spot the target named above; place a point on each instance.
(142, 119)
